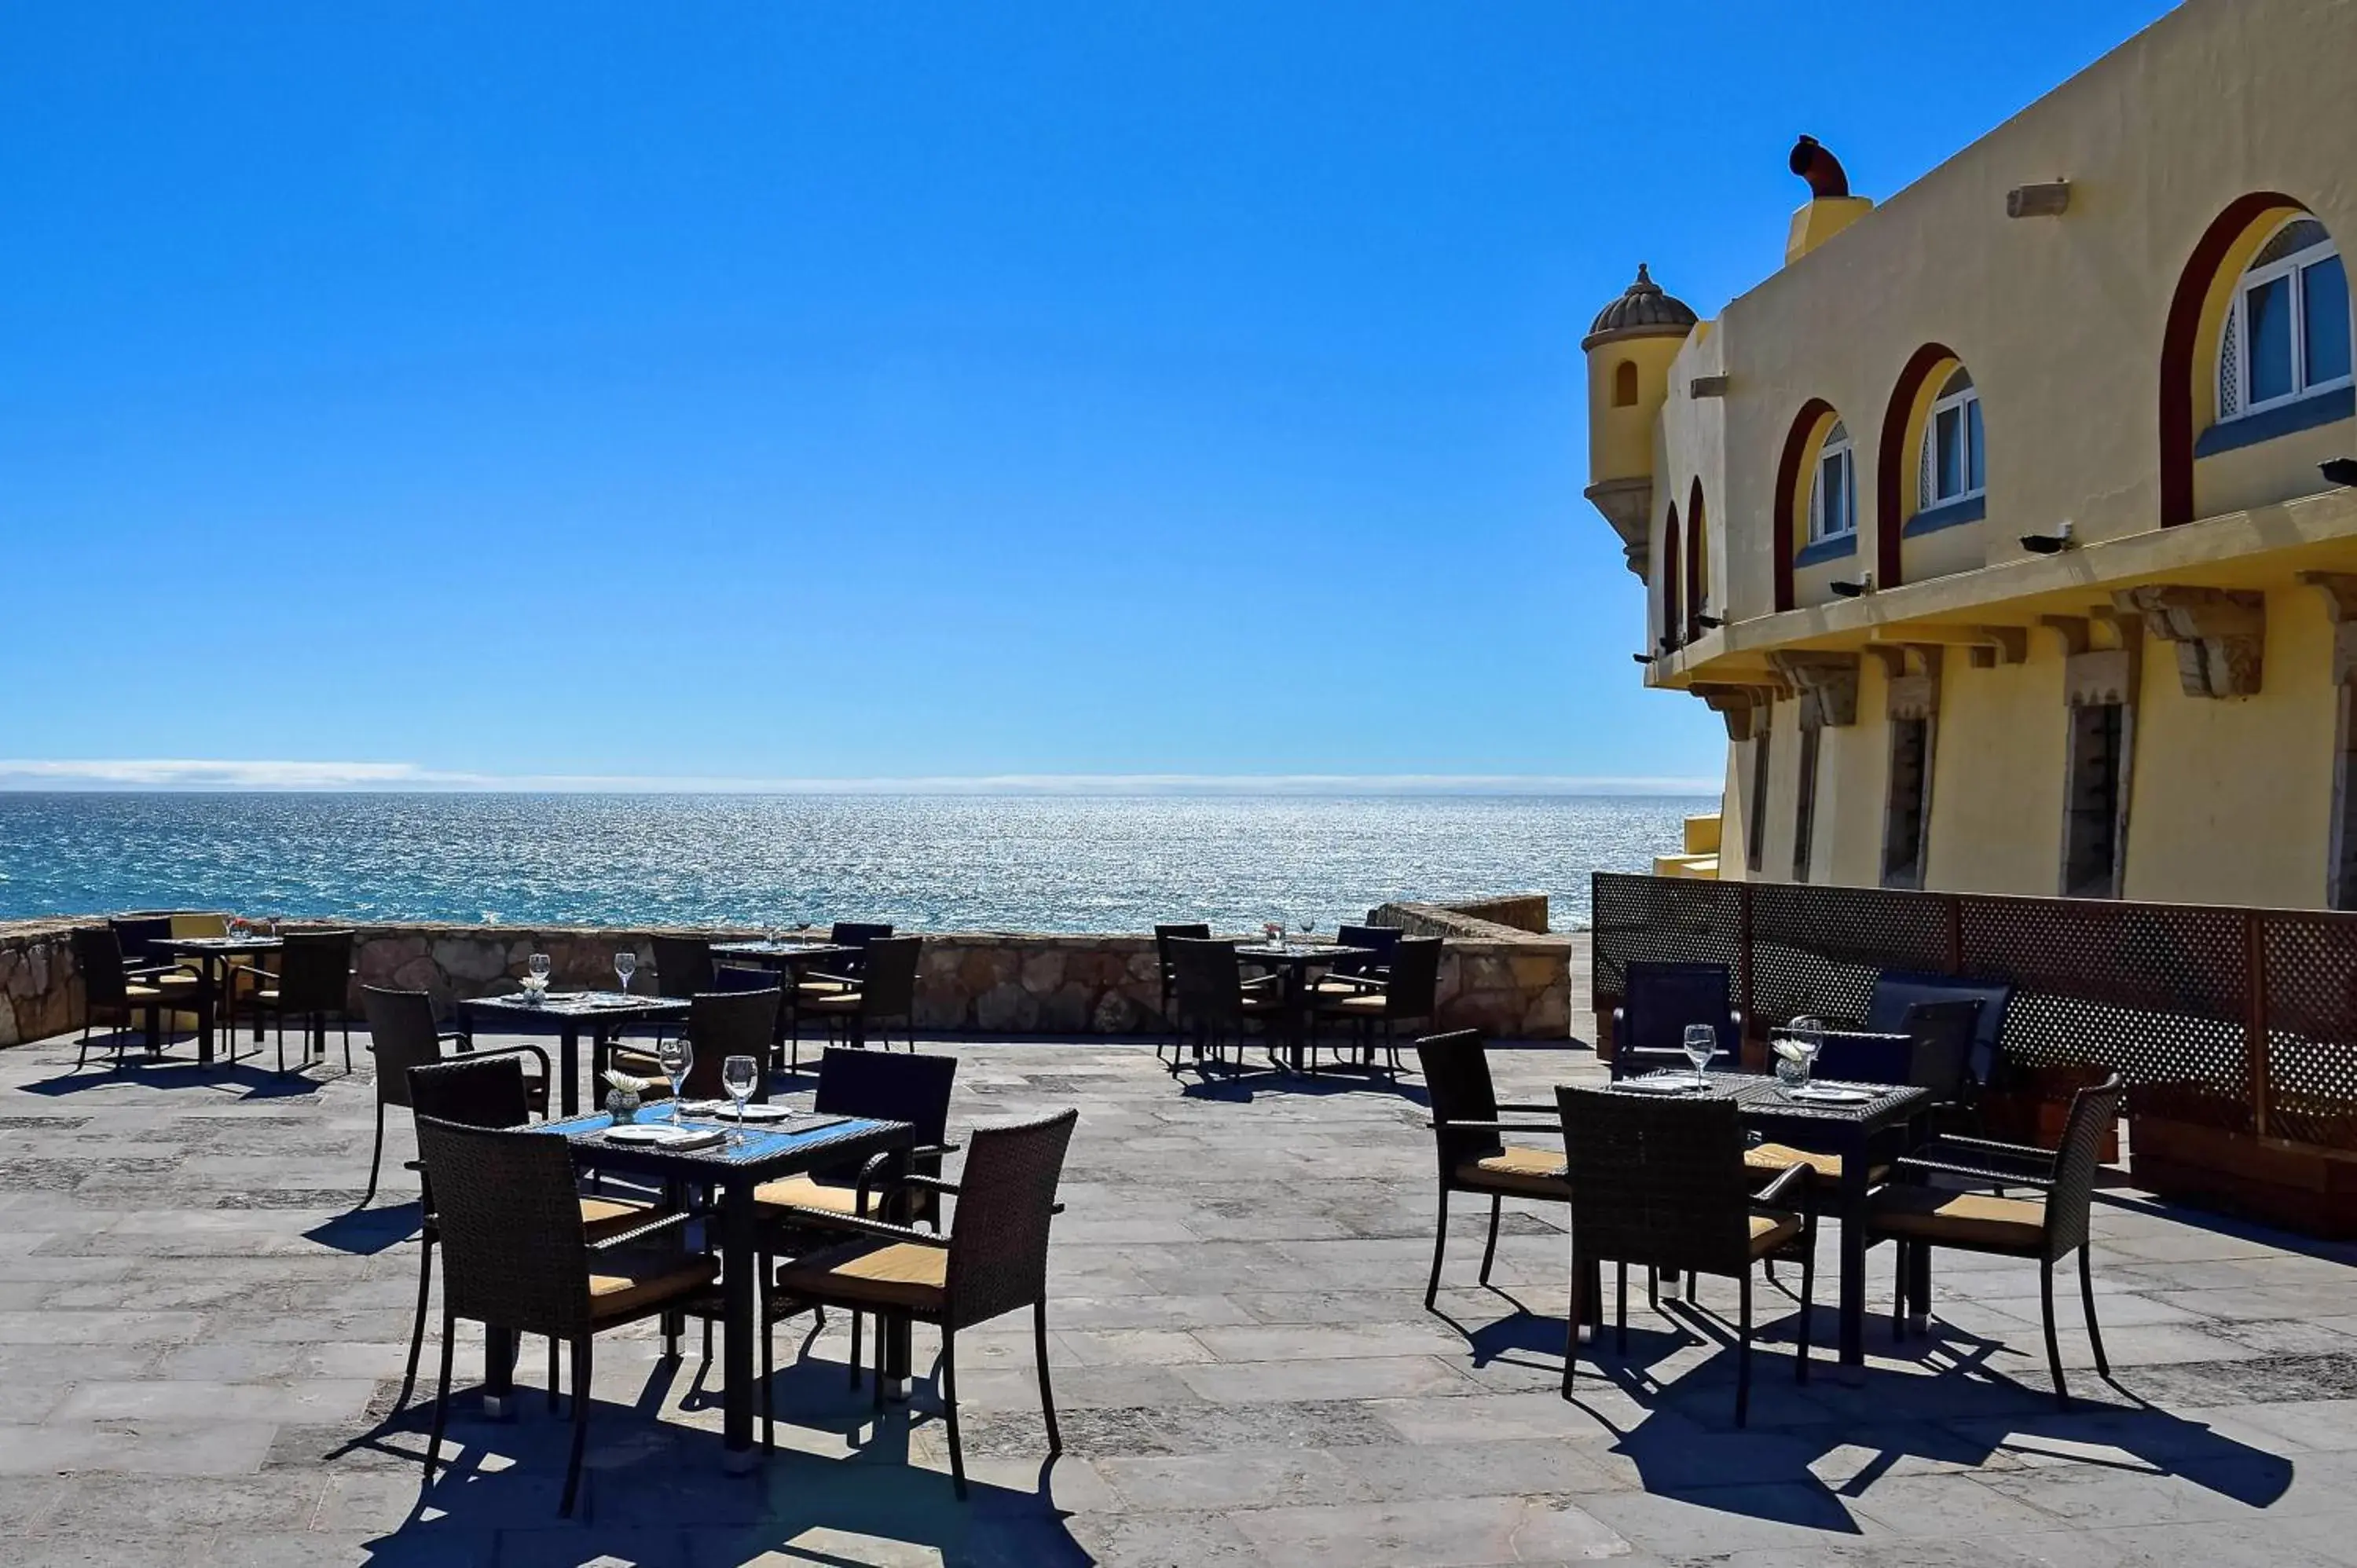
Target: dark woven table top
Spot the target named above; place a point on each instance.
(1298, 952)
(791, 949)
(1759, 1094)
(581, 1004)
(763, 1145)
(218, 944)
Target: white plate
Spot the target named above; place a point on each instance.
(661, 1135)
(1659, 1085)
(1828, 1094)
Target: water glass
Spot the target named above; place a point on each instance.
(676, 1055)
(738, 1077)
(537, 966)
(1792, 1056)
(626, 964)
(1701, 1045)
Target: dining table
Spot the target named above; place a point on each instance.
(566, 1015)
(1887, 1122)
(730, 1169)
(213, 956)
(1296, 962)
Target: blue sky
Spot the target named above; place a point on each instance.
(767, 392)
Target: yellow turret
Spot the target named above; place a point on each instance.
(1629, 347)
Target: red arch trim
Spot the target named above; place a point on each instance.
(1892, 466)
(1788, 479)
(2177, 343)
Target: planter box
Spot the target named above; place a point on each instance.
(2299, 1186)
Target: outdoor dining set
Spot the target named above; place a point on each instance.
(1355, 992)
(681, 1192)
(1696, 1170)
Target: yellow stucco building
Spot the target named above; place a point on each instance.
(2009, 524)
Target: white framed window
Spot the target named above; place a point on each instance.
(1954, 464)
(1832, 494)
(2287, 336)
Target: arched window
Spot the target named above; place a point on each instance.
(1832, 498)
(1674, 620)
(1624, 385)
(2287, 337)
(1697, 565)
(1954, 462)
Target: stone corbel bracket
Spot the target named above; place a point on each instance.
(2219, 635)
(1628, 506)
(1828, 684)
(2096, 677)
(1910, 678)
(1745, 708)
(2340, 591)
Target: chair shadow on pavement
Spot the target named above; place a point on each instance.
(654, 1491)
(1951, 1410)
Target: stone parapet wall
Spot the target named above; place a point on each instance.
(1501, 980)
(37, 994)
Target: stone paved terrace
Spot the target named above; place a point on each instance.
(200, 1344)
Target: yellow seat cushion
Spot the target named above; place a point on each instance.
(1771, 1230)
(604, 1217)
(1959, 1218)
(808, 989)
(1526, 1173)
(901, 1275)
(1366, 1004)
(1775, 1159)
(832, 1002)
(809, 1192)
(137, 993)
(622, 1287)
(181, 980)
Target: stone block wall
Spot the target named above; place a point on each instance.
(37, 994)
(1493, 978)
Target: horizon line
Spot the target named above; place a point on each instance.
(184, 775)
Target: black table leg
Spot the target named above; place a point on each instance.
(498, 1372)
(569, 1048)
(896, 1328)
(205, 994)
(1853, 1251)
(737, 1266)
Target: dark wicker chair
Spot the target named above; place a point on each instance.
(1474, 1158)
(402, 1035)
(1349, 974)
(1214, 1002)
(517, 1258)
(1896, 991)
(720, 1024)
(994, 1260)
(140, 936)
(313, 981)
(1411, 995)
(1920, 1216)
(111, 986)
(884, 988)
(487, 1088)
(874, 1084)
(682, 966)
(1662, 1182)
(1168, 970)
(1657, 1002)
(1931, 1053)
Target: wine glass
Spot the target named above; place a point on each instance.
(1307, 926)
(1809, 1035)
(626, 964)
(737, 1076)
(676, 1055)
(1701, 1045)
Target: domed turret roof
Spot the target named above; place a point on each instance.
(1644, 311)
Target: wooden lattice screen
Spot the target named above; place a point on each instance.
(2241, 1019)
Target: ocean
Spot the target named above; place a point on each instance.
(1037, 863)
